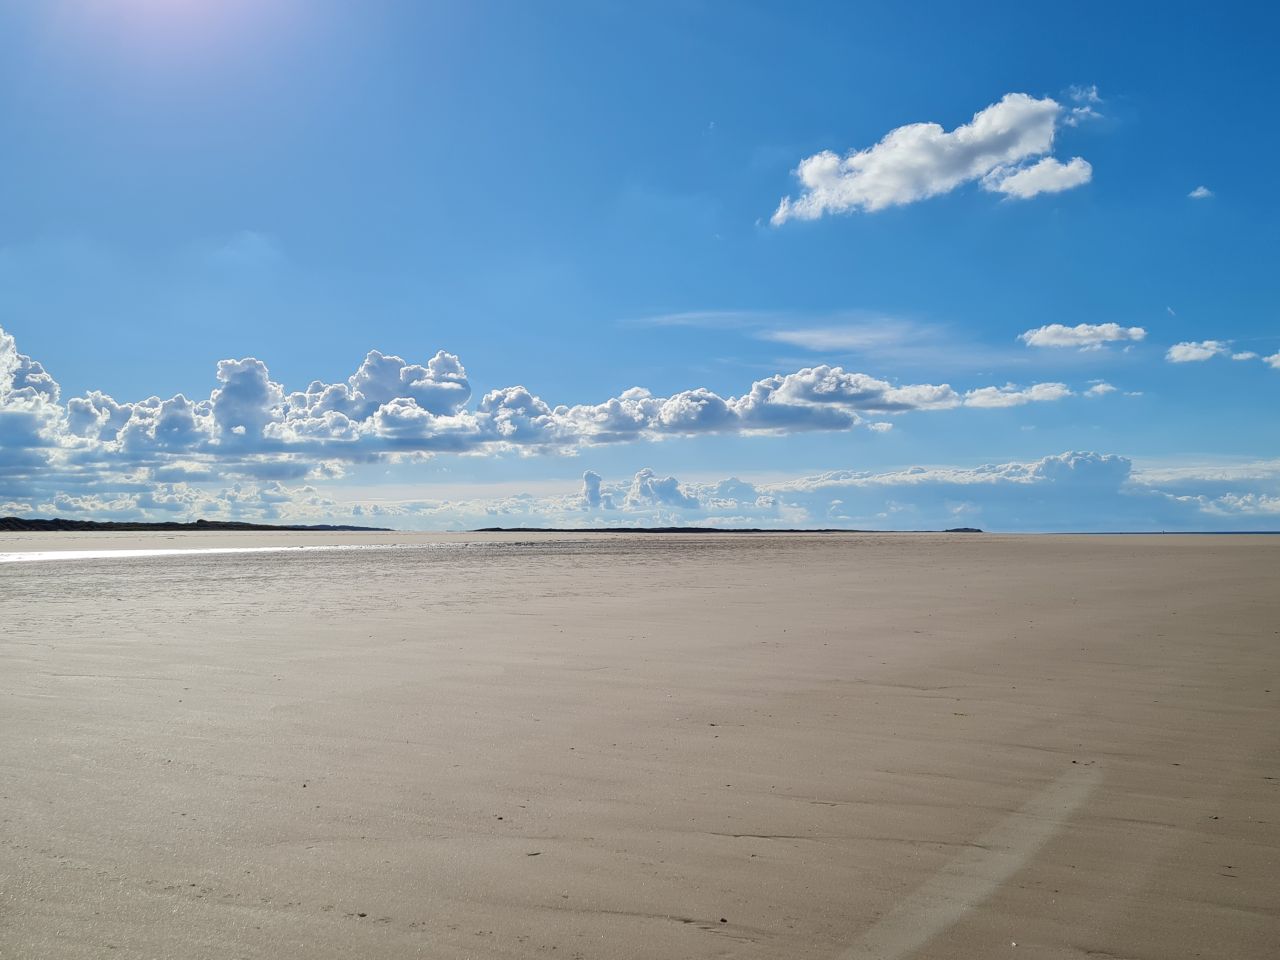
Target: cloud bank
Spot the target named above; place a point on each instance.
(1005, 147)
(1068, 491)
(252, 428)
(253, 449)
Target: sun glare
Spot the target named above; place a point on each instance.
(175, 33)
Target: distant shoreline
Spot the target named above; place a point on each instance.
(58, 524)
(63, 525)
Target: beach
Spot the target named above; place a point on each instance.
(639, 746)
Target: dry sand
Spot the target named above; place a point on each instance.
(662, 747)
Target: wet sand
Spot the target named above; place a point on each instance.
(654, 747)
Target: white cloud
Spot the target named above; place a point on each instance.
(592, 498)
(1083, 336)
(1047, 176)
(246, 402)
(29, 409)
(648, 489)
(1100, 389)
(1200, 193)
(1196, 351)
(1273, 361)
(922, 160)
(1244, 355)
(1011, 395)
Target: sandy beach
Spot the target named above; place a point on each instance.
(510, 746)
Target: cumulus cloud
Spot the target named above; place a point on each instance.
(29, 408)
(1083, 336)
(648, 489)
(592, 499)
(1100, 389)
(1273, 361)
(246, 401)
(1196, 351)
(1004, 146)
(1200, 193)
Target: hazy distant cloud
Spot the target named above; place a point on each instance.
(872, 335)
(860, 336)
(1083, 336)
(922, 160)
(1244, 355)
(1273, 361)
(1195, 351)
(1080, 114)
(706, 319)
(248, 248)
(1086, 99)
(1242, 504)
(1200, 193)
(1075, 490)
(1100, 389)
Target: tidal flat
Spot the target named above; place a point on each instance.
(509, 746)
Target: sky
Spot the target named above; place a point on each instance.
(440, 265)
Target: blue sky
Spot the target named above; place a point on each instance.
(580, 199)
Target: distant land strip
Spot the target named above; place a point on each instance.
(708, 530)
(20, 525)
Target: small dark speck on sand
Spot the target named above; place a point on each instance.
(723, 920)
(362, 914)
(536, 853)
